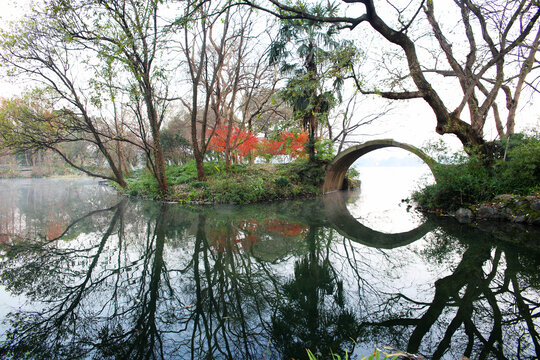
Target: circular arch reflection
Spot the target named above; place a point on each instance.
(340, 219)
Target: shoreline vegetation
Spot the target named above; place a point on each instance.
(503, 186)
(15, 171)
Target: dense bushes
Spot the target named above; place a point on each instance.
(513, 167)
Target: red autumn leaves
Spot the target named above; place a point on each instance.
(243, 143)
(246, 233)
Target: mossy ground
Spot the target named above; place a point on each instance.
(240, 184)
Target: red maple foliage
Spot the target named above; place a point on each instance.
(289, 143)
(241, 142)
(284, 228)
(248, 232)
(54, 229)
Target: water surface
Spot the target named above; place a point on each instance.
(88, 274)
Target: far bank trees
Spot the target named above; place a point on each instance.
(99, 61)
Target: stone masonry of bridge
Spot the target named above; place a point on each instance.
(335, 172)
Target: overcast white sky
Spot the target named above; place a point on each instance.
(11, 9)
(410, 122)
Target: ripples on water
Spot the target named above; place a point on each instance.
(88, 274)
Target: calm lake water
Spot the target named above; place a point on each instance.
(88, 274)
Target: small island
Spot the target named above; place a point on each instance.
(240, 184)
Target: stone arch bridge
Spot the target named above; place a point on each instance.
(335, 172)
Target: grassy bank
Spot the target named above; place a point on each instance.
(241, 184)
(465, 181)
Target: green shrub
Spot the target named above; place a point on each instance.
(282, 181)
(471, 180)
(351, 180)
(306, 172)
(520, 172)
(241, 183)
(229, 190)
(143, 184)
(197, 184)
(377, 355)
(324, 150)
(238, 168)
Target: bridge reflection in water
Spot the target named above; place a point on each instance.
(339, 218)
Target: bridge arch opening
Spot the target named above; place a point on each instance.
(388, 176)
(336, 170)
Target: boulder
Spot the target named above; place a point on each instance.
(504, 197)
(520, 219)
(508, 212)
(488, 213)
(464, 216)
(536, 205)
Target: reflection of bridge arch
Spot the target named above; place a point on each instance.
(335, 173)
(340, 219)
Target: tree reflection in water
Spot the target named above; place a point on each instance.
(313, 311)
(150, 281)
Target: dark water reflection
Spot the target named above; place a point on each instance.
(112, 278)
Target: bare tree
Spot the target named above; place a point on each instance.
(228, 69)
(346, 121)
(246, 81)
(195, 45)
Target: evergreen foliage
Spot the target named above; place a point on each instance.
(513, 168)
(317, 62)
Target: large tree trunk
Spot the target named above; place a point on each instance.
(199, 161)
(310, 126)
(447, 123)
(118, 175)
(310, 119)
(159, 159)
(197, 154)
(160, 164)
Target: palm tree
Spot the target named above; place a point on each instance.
(308, 50)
